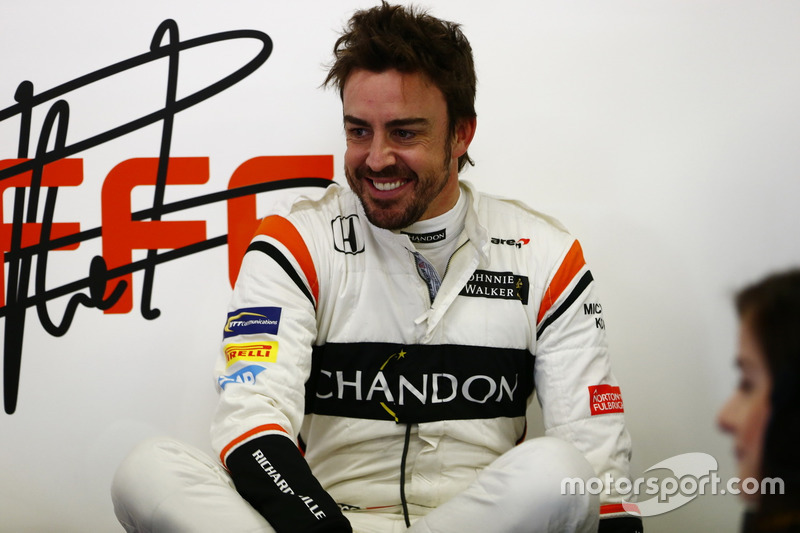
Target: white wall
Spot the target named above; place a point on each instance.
(663, 133)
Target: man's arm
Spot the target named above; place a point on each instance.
(266, 361)
(581, 400)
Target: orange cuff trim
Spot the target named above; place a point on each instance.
(245, 436)
(616, 508)
(284, 232)
(572, 264)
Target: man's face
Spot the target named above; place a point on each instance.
(400, 160)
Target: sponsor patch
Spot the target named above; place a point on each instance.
(247, 375)
(254, 352)
(497, 285)
(604, 399)
(519, 243)
(436, 236)
(418, 383)
(252, 320)
(346, 235)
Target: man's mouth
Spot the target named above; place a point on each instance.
(387, 185)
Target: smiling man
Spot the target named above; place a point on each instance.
(411, 319)
(401, 159)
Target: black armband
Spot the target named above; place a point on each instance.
(626, 524)
(271, 474)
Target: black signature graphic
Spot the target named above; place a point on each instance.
(165, 44)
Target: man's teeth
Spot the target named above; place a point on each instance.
(387, 186)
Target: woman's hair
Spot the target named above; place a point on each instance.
(396, 37)
(771, 309)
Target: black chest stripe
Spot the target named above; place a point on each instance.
(419, 383)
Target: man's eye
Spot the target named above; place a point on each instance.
(356, 132)
(404, 134)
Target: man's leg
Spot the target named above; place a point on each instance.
(521, 492)
(165, 486)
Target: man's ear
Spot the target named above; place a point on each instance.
(465, 131)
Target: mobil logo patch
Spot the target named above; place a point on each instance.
(247, 376)
(252, 321)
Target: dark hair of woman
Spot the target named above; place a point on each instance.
(771, 309)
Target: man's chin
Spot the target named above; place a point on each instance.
(391, 219)
(384, 221)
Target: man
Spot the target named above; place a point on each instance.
(395, 331)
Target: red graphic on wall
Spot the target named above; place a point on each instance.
(29, 233)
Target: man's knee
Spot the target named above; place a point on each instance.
(143, 461)
(145, 478)
(538, 471)
(546, 459)
(166, 485)
(522, 491)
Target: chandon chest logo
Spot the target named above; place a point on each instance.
(497, 285)
(346, 235)
(418, 383)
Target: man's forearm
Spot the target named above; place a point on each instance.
(271, 474)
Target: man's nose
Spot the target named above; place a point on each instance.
(381, 154)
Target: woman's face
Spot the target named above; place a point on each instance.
(745, 414)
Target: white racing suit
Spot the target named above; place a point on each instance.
(333, 344)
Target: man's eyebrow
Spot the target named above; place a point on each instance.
(413, 121)
(407, 122)
(355, 120)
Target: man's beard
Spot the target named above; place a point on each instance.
(393, 215)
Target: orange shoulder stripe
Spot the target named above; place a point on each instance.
(572, 264)
(284, 231)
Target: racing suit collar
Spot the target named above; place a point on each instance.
(476, 233)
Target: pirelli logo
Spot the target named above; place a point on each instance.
(254, 352)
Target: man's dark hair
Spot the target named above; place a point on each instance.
(771, 308)
(409, 40)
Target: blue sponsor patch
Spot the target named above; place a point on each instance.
(252, 320)
(246, 375)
